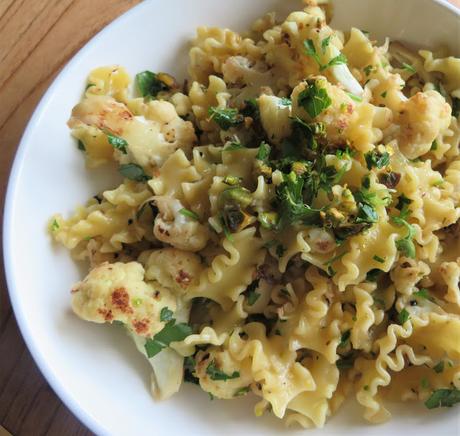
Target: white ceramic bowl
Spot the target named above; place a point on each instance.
(95, 369)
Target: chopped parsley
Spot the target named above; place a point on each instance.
(292, 208)
(166, 314)
(403, 316)
(189, 371)
(268, 220)
(189, 214)
(89, 86)
(368, 70)
(285, 101)
(455, 107)
(434, 145)
(424, 383)
(81, 145)
(251, 293)
(443, 398)
(355, 97)
(225, 118)
(439, 367)
(134, 172)
(149, 84)
(242, 391)
(345, 338)
(329, 263)
(384, 94)
(218, 375)
(264, 152)
(423, 293)
(409, 68)
(314, 99)
(171, 332)
(310, 50)
(280, 250)
(54, 226)
(376, 159)
(118, 143)
(405, 245)
(234, 146)
(379, 259)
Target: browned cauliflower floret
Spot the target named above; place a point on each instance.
(175, 268)
(422, 118)
(150, 139)
(177, 229)
(118, 292)
(336, 117)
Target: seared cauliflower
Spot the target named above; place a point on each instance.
(118, 292)
(423, 117)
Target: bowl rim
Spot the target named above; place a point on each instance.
(70, 401)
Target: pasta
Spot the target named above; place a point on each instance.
(287, 225)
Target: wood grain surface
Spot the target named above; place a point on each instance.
(37, 38)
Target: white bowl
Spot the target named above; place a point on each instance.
(95, 369)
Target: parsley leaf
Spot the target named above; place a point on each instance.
(439, 367)
(242, 391)
(166, 314)
(264, 152)
(251, 293)
(117, 142)
(377, 159)
(291, 205)
(403, 316)
(423, 293)
(368, 70)
(218, 375)
(54, 226)
(171, 332)
(133, 172)
(405, 245)
(325, 43)
(149, 84)
(225, 118)
(314, 99)
(189, 214)
(234, 146)
(81, 145)
(379, 259)
(345, 338)
(443, 398)
(355, 97)
(310, 50)
(285, 101)
(409, 68)
(338, 60)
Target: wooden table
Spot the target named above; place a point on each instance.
(37, 37)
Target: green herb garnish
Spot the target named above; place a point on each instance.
(439, 367)
(314, 99)
(403, 316)
(379, 259)
(225, 118)
(149, 84)
(118, 143)
(443, 398)
(133, 172)
(54, 226)
(264, 152)
(355, 97)
(189, 214)
(81, 145)
(345, 338)
(171, 332)
(242, 391)
(377, 159)
(218, 375)
(409, 68)
(166, 314)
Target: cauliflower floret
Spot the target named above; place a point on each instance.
(422, 118)
(118, 292)
(320, 241)
(176, 229)
(275, 116)
(336, 117)
(175, 268)
(151, 139)
(237, 69)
